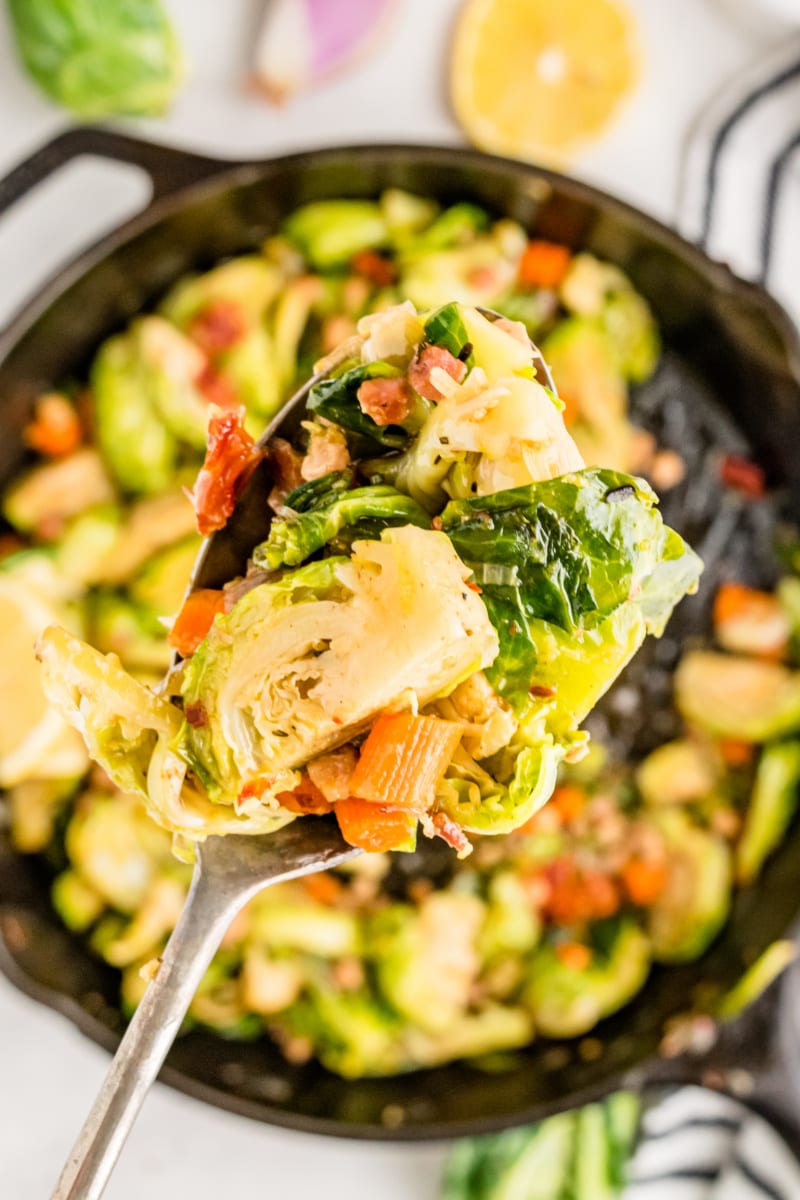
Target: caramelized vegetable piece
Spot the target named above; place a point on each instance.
(55, 430)
(403, 759)
(749, 621)
(375, 827)
(195, 619)
(543, 264)
(230, 459)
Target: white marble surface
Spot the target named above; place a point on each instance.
(48, 1072)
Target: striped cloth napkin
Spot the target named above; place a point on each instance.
(698, 1145)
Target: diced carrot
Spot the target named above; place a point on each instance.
(732, 600)
(574, 955)
(56, 429)
(374, 267)
(374, 827)
(195, 619)
(323, 887)
(403, 759)
(736, 753)
(569, 800)
(544, 264)
(644, 881)
(306, 799)
(579, 894)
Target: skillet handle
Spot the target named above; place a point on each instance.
(169, 170)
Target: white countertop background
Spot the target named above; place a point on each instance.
(49, 1073)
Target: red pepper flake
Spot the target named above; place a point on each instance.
(218, 326)
(475, 587)
(231, 458)
(743, 476)
(374, 267)
(539, 690)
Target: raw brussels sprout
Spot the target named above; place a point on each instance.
(97, 59)
(695, 903)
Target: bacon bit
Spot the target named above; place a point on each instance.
(374, 267)
(451, 832)
(424, 361)
(544, 264)
(217, 389)
(331, 773)
(569, 801)
(540, 691)
(218, 326)
(196, 715)
(324, 888)
(387, 401)
(574, 955)
(327, 451)
(286, 463)
(437, 523)
(56, 429)
(231, 458)
(735, 753)
(306, 799)
(644, 881)
(10, 544)
(743, 476)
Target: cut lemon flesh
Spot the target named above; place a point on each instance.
(35, 741)
(536, 79)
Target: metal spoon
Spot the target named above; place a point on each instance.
(228, 872)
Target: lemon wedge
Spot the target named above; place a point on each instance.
(535, 79)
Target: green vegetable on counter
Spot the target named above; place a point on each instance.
(100, 59)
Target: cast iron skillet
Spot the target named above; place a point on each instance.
(731, 376)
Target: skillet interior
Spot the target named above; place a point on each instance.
(730, 377)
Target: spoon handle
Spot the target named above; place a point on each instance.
(206, 916)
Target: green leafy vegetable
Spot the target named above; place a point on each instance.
(294, 538)
(100, 59)
(446, 328)
(595, 568)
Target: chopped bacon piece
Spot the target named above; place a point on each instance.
(217, 389)
(574, 955)
(306, 799)
(544, 264)
(331, 772)
(218, 326)
(231, 458)
(423, 362)
(286, 463)
(375, 268)
(579, 895)
(196, 714)
(387, 401)
(743, 476)
(327, 451)
(56, 429)
(452, 833)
